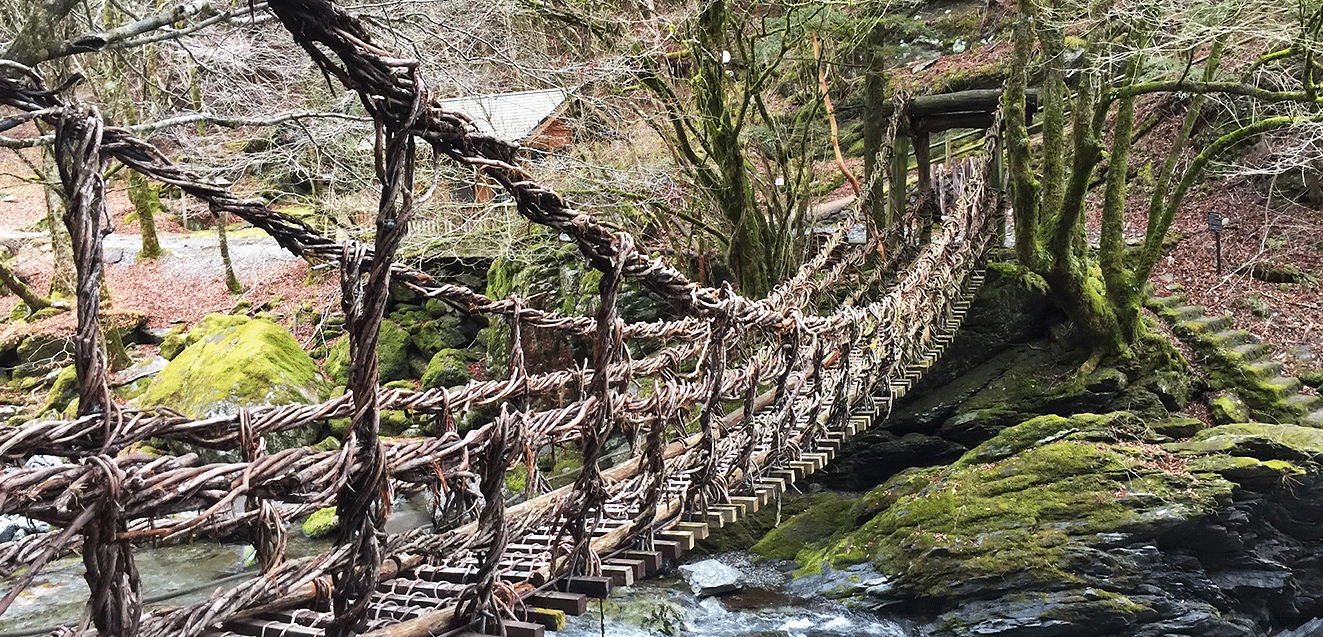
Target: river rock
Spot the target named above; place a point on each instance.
(710, 577)
(252, 363)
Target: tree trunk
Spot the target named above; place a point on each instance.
(64, 275)
(20, 289)
(875, 130)
(231, 281)
(146, 199)
(40, 31)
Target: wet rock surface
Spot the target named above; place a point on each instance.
(710, 577)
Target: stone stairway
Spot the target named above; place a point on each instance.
(1239, 363)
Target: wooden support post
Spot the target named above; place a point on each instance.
(900, 163)
(923, 161)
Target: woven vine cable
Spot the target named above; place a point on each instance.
(363, 504)
(478, 604)
(269, 537)
(115, 606)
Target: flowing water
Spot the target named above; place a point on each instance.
(666, 607)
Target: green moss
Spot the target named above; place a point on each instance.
(321, 523)
(1228, 408)
(448, 368)
(337, 361)
(1256, 440)
(1009, 508)
(63, 392)
(1115, 426)
(179, 338)
(830, 514)
(392, 352)
(253, 363)
(516, 479)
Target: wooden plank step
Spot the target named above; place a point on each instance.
(523, 629)
(264, 628)
(802, 468)
(670, 549)
(652, 560)
(683, 541)
(748, 504)
(550, 618)
(620, 574)
(786, 475)
(569, 603)
(729, 513)
(393, 611)
(446, 574)
(592, 586)
(638, 567)
(699, 529)
(408, 586)
(413, 600)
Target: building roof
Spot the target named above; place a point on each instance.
(509, 116)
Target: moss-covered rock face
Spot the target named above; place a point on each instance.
(1087, 526)
(254, 362)
(826, 514)
(1009, 508)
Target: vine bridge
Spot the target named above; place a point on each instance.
(737, 400)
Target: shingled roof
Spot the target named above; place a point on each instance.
(510, 116)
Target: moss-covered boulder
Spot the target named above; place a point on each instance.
(448, 368)
(181, 337)
(1228, 408)
(321, 523)
(827, 514)
(63, 393)
(252, 363)
(395, 356)
(1089, 526)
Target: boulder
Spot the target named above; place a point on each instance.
(448, 368)
(253, 363)
(179, 338)
(321, 523)
(710, 577)
(394, 356)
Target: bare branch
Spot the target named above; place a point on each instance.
(194, 118)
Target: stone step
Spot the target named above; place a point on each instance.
(1313, 419)
(1301, 404)
(1248, 352)
(1284, 386)
(1207, 324)
(1265, 369)
(1228, 339)
(1166, 302)
(1186, 312)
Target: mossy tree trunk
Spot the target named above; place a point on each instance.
(231, 281)
(875, 126)
(753, 165)
(1102, 290)
(146, 198)
(22, 290)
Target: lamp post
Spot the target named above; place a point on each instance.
(1215, 225)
